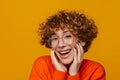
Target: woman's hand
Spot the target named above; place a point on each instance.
(78, 58)
(59, 66)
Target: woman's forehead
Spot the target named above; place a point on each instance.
(66, 30)
(62, 30)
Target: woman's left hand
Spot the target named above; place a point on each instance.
(78, 58)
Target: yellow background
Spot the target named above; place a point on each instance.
(19, 43)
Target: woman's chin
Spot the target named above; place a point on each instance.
(67, 61)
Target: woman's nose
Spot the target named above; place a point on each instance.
(61, 43)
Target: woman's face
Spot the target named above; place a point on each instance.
(63, 44)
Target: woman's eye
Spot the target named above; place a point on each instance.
(54, 39)
(68, 36)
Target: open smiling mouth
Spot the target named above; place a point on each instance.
(65, 54)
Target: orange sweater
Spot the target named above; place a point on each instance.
(44, 70)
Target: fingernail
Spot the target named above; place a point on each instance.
(78, 42)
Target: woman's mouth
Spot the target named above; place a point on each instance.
(64, 54)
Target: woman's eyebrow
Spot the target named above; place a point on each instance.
(65, 31)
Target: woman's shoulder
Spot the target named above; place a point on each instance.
(43, 61)
(92, 64)
(93, 69)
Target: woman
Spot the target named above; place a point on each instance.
(68, 35)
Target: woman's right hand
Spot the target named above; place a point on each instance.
(59, 66)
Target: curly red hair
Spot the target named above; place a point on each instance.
(82, 27)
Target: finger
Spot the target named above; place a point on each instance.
(75, 55)
(53, 57)
(81, 48)
(79, 52)
(52, 54)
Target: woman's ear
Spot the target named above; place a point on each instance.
(82, 43)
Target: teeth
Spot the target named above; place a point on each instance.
(64, 52)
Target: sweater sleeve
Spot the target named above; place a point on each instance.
(90, 71)
(59, 75)
(99, 73)
(75, 77)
